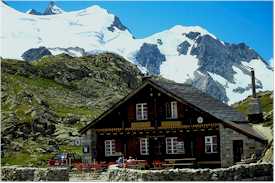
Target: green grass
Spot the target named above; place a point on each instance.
(71, 149)
(41, 83)
(14, 85)
(26, 159)
(17, 81)
(266, 103)
(6, 106)
(21, 113)
(14, 158)
(28, 155)
(63, 110)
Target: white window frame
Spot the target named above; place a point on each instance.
(110, 147)
(171, 143)
(144, 146)
(174, 110)
(143, 115)
(208, 141)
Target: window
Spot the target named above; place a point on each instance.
(85, 149)
(211, 144)
(109, 147)
(173, 146)
(144, 146)
(171, 110)
(141, 111)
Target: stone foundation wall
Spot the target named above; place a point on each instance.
(260, 172)
(227, 135)
(34, 174)
(89, 140)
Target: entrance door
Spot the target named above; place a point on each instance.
(156, 146)
(237, 150)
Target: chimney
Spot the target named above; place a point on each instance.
(253, 83)
(255, 114)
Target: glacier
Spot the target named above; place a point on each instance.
(187, 50)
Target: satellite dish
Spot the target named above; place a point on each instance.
(200, 119)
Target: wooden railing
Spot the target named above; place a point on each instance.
(171, 124)
(146, 124)
(176, 124)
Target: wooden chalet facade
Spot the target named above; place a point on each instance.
(164, 120)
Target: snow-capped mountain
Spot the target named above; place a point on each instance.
(184, 54)
(52, 9)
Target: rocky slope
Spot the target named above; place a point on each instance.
(182, 53)
(45, 103)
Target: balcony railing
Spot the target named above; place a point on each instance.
(171, 124)
(146, 124)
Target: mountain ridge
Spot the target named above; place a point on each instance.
(51, 9)
(185, 54)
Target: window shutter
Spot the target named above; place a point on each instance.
(168, 110)
(131, 112)
(180, 110)
(199, 145)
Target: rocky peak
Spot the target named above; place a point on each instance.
(53, 9)
(35, 54)
(218, 58)
(117, 23)
(242, 52)
(192, 35)
(33, 12)
(150, 57)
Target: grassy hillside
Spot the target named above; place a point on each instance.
(266, 99)
(45, 103)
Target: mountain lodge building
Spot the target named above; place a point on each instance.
(165, 120)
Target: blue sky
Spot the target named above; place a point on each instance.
(231, 21)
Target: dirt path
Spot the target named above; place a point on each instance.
(264, 131)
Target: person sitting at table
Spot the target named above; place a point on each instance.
(120, 161)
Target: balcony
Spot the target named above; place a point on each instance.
(171, 124)
(145, 124)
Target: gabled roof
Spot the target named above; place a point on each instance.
(194, 97)
(201, 100)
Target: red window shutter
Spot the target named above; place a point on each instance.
(131, 112)
(180, 110)
(199, 144)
